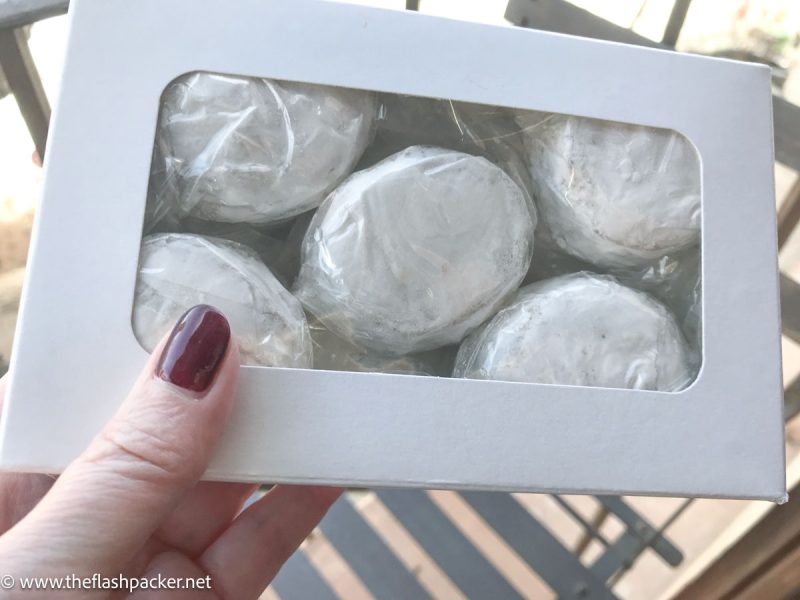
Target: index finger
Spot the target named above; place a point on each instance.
(248, 555)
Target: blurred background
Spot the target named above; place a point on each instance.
(696, 549)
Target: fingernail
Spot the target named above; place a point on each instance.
(195, 349)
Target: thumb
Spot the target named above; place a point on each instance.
(109, 501)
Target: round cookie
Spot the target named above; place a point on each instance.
(581, 329)
(613, 194)
(416, 251)
(179, 271)
(237, 149)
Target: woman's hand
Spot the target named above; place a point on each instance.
(131, 504)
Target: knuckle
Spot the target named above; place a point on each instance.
(146, 450)
(280, 536)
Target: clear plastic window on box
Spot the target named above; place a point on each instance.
(351, 230)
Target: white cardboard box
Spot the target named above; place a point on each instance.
(75, 354)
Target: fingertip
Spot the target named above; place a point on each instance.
(192, 360)
(195, 350)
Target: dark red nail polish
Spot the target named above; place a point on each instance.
(195, 349)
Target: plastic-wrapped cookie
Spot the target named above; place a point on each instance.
(581, 329)
(178, 271)
(613, 194)
(237, 149)
(416, 251)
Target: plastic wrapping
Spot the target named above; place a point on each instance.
(178, 271)
(415, 252)
(404, 225)
(612, 194)
(487, 131)
(332, 353)
(676, 281)
(673, 279)
(581, 329)
(405, 121)
(278, 248)
(253, 150)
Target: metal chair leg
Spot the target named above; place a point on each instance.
(26, 85)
